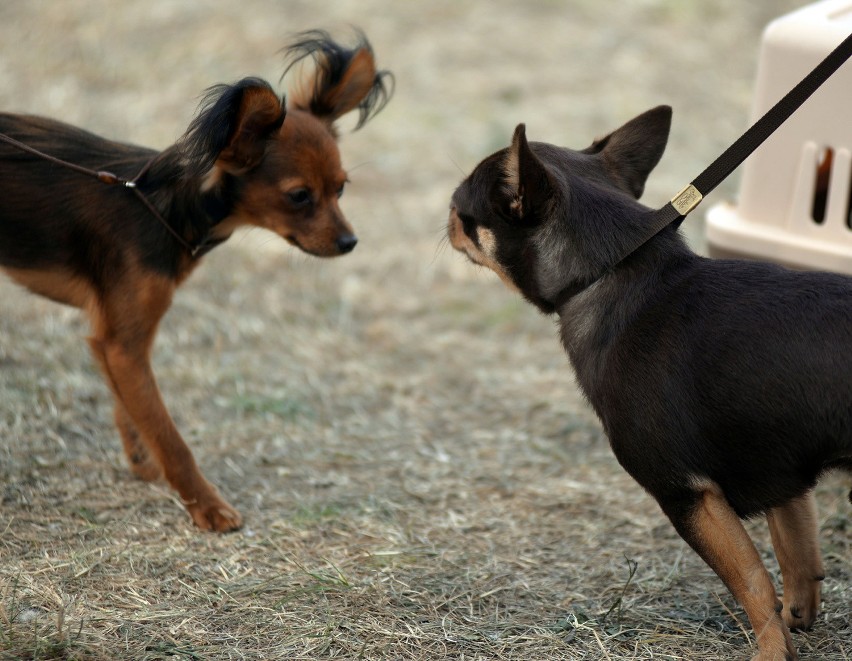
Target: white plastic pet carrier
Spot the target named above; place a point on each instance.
(795, 199)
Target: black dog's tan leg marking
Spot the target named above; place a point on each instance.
(794, 528)
(141, 463)
(124, 327)
(482, 254)
(718, 536)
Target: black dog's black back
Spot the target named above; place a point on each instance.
(731, 371)
(746, 370)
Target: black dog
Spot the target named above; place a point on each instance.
(725, 387)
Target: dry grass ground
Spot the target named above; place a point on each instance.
(419, 475)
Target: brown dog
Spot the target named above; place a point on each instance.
(120, 257)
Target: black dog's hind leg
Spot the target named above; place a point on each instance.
(713, 529)
(794, 528)
(141, 463)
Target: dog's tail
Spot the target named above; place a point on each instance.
(342, 79)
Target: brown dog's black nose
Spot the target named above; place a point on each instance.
(346, 243)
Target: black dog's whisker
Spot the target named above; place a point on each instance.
(443, 242)
(458, 167)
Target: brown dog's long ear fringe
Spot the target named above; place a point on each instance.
(232, 126)
(342, 79)
(527, 182)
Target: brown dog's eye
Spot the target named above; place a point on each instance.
(340, 190)
(299, 197)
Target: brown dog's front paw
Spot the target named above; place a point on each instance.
(213, 513)
(775, 643)
(800, 611)
(772, 656)
(769, 656)
(788, 654)
(801, 601)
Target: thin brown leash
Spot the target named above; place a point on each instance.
(106, 177)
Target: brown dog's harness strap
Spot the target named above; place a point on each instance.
(691, 195)
(111, 179)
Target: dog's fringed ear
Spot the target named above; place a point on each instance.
(633, 150)
(232, 127)
(527, 180)
(340, 80)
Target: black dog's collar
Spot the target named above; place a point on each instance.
(569, 292)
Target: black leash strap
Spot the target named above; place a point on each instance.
(689, 197)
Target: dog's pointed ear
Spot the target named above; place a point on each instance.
(527, 180)
(233, 126)
(632, 151)
(342, 79)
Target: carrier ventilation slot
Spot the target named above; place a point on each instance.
(822, 177)
(849, 208)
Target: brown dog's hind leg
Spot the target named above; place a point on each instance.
(137, 454)
(123, 333)
(794, 528)
(716, 533)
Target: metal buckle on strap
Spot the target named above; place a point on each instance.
(686, 199)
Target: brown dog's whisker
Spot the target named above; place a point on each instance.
(359, 165)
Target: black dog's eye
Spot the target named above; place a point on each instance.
(299, 197)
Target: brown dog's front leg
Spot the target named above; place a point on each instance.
(129, 372)
(124, 324)
(141, 463)
(713, 529)
(795, 535)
